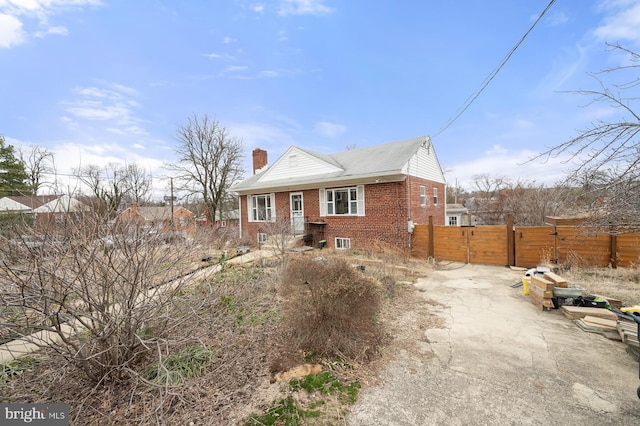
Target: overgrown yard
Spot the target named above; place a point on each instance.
(213, 355)
(234, 347)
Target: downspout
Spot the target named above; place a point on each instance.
(240, 216)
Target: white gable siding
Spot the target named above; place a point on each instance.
(61, 205)
(7, 204)
(297, 163)
(424, 164)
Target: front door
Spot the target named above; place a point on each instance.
(297, 213)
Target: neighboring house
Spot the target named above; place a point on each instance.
(457, 215)
(227, 220)
(348, 199)
(45, 209)
(159, 218)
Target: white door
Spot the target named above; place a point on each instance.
(297, 213)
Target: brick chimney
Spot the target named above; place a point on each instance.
(259, 159)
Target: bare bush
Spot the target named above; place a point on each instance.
(101, 295)
(330, 308)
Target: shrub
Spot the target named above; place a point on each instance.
(330, 308)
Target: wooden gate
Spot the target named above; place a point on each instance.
(486, 244)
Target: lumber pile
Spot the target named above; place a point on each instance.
(592, 324)
(578, 312)
(628, 331)
(557, 280)
(541, 291)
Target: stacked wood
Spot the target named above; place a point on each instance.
(577, 312)
(541, 291)
(628, 331)
(557, 280)
(594, 324)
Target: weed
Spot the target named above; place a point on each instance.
(286, 412)
(16, 367)
(187, 363)
(327, 384)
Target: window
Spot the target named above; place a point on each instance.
(342, 201)
(184, 221)
(262, 238)
(343, 243)
(223, 224)
(453, 220)
(261, 208)
(423, 196)
(435, 196)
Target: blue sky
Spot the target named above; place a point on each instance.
(98, 81)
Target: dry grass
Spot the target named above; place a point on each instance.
(621, 283)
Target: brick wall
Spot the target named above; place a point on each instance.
(385, 217)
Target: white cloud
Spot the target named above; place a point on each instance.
(623, 23)
(11, 32)
(228, 40)
(236, 68)
(304, 7)
(59, 30)
(14, 14)
(112, 103)
(557, 19)
(516, 165)
(212, 55)
(257, 7)
(328, 129)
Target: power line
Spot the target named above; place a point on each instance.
(491, 76)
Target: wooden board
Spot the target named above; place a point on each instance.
(541, 293)
(575, 312)
(540, 302)
(544, 284)
(589, 328)
(556, 279)
(601, 322)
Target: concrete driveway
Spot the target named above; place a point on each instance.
(500, 361)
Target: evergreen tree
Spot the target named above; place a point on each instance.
(14, 179)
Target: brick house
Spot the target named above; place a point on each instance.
(159, 218)
(346, 199)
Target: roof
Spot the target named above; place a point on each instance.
(157, 213)
(389, 162)
(33, 201)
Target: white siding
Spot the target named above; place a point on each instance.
(295, 162)
(7, 204)
(424, 164)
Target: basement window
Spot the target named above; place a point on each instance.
(343, 243)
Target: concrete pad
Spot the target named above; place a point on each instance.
(501, 361)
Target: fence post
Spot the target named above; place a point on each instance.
(431, 239)
(613, 250)
(511, 249)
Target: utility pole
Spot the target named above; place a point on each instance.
(171, 180)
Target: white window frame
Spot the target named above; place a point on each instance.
(223, 223)
(435, 196)
(262, 237)
(455, 219)
(253, 206)
(423, 196)
(328, 198)
(342, 243)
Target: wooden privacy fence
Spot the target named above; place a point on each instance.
(525, 246)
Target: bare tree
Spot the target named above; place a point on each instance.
(610, 150)
(114, 183)
(209, 161)
(38, 162)
(138, 184)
